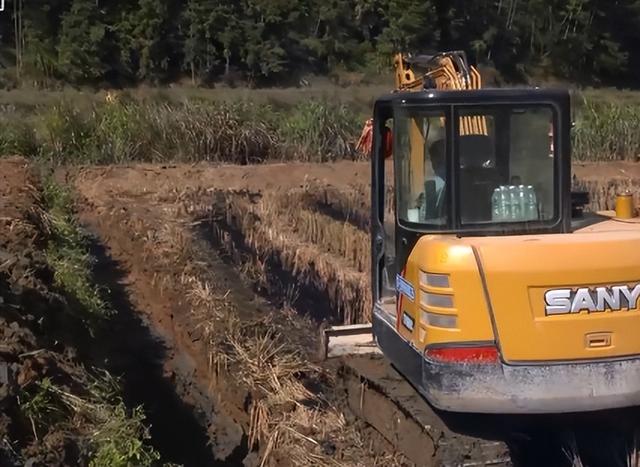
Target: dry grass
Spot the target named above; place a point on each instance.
(268, 228)
(617, 459)
(603, 193)
(633, 455)
(347, 205)
(336, 237)
(289, 424)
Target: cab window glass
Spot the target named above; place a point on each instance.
(420, 149)
(506, 168)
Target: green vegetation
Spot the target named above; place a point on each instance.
(68, 256)
(192, 129)
(110, 435)
(607, 131)
(119, 43)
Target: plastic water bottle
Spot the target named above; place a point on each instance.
(532, 204)
(496, 209)
(522, 202)
(514, 201)
(505, 207)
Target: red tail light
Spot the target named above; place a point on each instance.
(481, 354)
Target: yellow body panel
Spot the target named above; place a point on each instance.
(518, 270)
(447, 255)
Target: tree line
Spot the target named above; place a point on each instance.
(276, 42)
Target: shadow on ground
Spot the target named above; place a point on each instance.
(128, 348)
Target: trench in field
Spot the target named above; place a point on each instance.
(157, 374)
(193, 398)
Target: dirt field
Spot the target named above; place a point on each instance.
(237, 345)
(209, 253)
(221, 277)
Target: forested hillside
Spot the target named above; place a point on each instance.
(266, 42)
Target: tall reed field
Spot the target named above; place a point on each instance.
(606, 131)
(72, 131)
(133, 131)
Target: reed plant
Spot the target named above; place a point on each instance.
(191, 131)
(245, 132)
(606, 131)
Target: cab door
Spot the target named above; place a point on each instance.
(383, 225)
(420, 168)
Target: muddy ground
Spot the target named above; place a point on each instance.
(246, 365)
(213, 338)
(35, 343)
(54, 402)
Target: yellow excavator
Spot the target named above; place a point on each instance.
(494, 291)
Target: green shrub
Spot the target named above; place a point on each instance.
(120, 134)
(67, 135)
(18, 137)
(317, 131)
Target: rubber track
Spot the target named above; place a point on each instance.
(381, 397)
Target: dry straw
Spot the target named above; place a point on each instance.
(269, 230)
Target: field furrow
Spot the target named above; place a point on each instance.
(276, 248)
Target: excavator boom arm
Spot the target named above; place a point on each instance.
(443, 71)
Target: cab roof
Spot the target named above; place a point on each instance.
(477, 96)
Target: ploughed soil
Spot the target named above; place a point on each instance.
(35, 343)
(227, 372)
(341, 174)
(58, 394)
(139, 179)
(246, 364)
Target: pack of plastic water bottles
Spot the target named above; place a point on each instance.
(513, 203)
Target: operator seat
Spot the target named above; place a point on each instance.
(478, 177)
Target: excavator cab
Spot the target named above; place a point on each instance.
(503, 177)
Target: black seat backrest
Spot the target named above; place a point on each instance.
(478, 177)
(476, 151)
